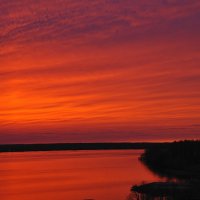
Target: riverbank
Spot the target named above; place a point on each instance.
(174, 160)
(179, 163)
(167, 190)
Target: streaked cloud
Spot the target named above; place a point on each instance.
(75, 70)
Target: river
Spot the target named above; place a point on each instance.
(71, 175)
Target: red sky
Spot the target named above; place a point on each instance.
(109, 70)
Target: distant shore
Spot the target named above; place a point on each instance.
(76, 146)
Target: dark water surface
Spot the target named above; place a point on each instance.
(71, 175)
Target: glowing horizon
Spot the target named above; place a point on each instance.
(99, 71)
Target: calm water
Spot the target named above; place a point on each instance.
(71, 175)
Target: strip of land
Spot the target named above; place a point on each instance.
(179, 163)
(75, 146)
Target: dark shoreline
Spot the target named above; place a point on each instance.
(179, 163)
(76, 146)
(175, 160)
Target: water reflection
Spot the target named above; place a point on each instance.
(71, 175)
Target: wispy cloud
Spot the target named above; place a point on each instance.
(118, 68)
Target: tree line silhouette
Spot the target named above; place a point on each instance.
(179, 162)
(177, 159)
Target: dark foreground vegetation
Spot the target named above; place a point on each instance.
(166, 191)
(179, 163)
(74, 146)
(174, 160)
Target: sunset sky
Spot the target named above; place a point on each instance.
(99, 70)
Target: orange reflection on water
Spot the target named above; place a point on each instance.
(68, 175)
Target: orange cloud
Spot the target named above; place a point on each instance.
(124, 70)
